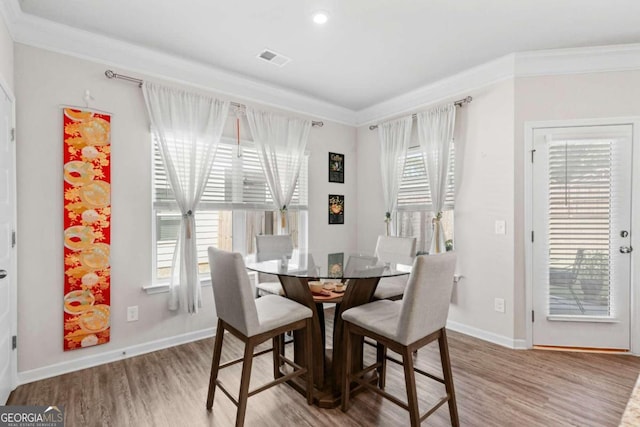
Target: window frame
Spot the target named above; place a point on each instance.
(238, 213)
(426, 206)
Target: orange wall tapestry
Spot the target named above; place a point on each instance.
(87, 225)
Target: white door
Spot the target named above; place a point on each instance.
(7, 249)
(581, 236)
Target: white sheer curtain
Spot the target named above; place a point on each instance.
(281, 142)
(187, 127)
(435, 133)
(394, 141)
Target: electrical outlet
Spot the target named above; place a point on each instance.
(498, 305)
(501, 227)
(132, 313)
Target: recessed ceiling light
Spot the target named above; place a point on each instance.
(320, 17)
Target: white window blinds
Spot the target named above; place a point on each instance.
(581, 207)
(235, 182)
(414, 194)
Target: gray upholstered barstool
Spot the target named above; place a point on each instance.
(253, 321)
(404, 326)
(395, 250)
(270, 247)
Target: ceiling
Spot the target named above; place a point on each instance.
(368, 52)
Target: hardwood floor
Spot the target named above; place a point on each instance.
(495, 386)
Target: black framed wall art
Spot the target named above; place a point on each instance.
(336, 168)
(336, 209)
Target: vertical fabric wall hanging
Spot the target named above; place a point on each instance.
(87, 225)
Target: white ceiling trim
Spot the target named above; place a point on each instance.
(126, 57)
(523, 64)
(458, 85)
(579, 60)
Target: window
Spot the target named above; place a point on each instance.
(236, 205)
(414, 211)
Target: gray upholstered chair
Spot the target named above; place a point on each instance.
(253, 321)
(356, 264)
(394, 250)
(269, 247)
(404, 326)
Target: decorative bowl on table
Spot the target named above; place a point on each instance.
(316, 287)
(340, 287)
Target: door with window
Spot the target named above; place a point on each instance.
(581, 236)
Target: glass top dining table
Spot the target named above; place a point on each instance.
(337, 266)
(361, 274)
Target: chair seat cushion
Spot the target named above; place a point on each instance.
(391, 287)
(272, 288)
(380, 317)
(275, 311)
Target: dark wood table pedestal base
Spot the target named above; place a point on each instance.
(328, 364)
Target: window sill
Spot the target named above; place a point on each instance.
(163, 287)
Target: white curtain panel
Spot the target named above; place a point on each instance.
(280, 142)
(435, 133)
(187, 127)
(394, 139)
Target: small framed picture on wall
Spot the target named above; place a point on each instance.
(336, 167)
(336, 209)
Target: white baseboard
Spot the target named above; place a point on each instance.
(32, 375)
(520, 344)
(517, 344)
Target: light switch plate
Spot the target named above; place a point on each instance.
(501, 227)
(132, 313)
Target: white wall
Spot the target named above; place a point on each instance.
(46, 80)
(484, 133)
(6, 55)
(485, 194)
(564, 97)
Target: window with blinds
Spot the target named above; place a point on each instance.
(414, 194)
(580, 216)
(237, 185)
(236, 181)
(415, 209)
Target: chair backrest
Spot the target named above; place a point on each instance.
(358, 263)
(270, 247)
(232, 291)
(398, 250)
(425, 305)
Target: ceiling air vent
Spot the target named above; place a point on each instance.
(274, 58)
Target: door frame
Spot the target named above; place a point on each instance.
(13, 277)
(529, 127)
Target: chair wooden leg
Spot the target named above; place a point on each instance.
(381, 357)
(410, 381)
(215, 363)
(281, 340)
(346, 375)
(243, 395)
(448, 378)
(276, 356)
(309, 356)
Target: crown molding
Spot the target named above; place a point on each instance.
(458, 85)
(524, 64)
(127, 57)
(581, 60)
(11, 12)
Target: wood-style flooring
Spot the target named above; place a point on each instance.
(495, 386)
